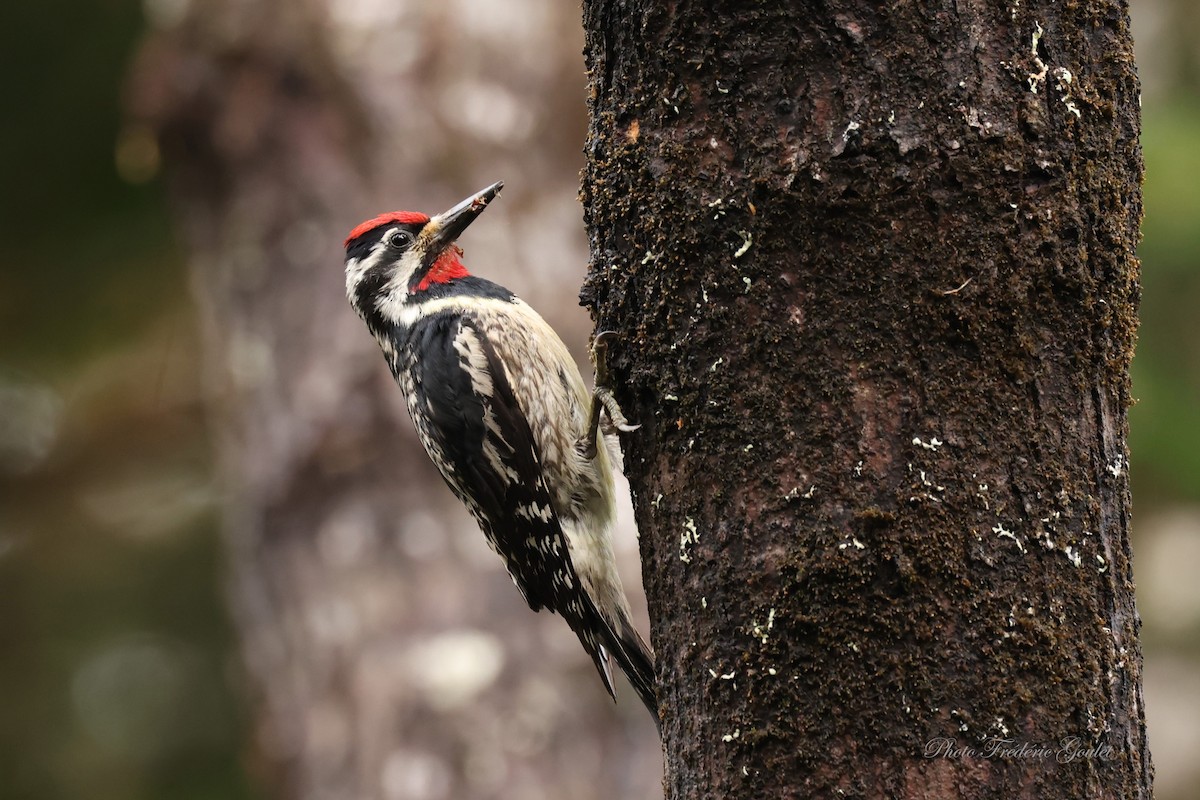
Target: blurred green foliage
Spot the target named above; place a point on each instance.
(1165, 436)
(90, 248)
(115, 650)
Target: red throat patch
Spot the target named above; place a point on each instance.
(445, 269)
(390, 218)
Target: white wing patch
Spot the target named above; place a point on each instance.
(533, 511)
(474, 360)
(466, 343)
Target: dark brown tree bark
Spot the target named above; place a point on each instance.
(873, 269)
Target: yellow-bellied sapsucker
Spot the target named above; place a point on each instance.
(503, 412)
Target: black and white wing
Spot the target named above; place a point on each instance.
(480, 439)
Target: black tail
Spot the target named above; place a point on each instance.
(631, 652)
(637, 662)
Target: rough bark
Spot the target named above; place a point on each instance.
(386, 653)
(873, 270)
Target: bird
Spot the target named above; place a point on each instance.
(503, 412)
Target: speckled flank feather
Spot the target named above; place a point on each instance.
(523, 427)
(478, 407)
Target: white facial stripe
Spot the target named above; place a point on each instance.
(393, 301)
(408, 314)
(357, 268)
(406, 267)
(393, 293)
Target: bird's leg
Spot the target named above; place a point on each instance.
(602, 396)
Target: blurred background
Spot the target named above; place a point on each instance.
(124, 285)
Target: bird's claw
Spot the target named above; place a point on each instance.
(602, 396)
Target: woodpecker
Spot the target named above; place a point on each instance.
(504, 414)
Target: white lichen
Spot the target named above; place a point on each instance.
(689, 537)
(1064, 78)
(1003, 533)
(982, 495)
(1036, 79)
(747, 241)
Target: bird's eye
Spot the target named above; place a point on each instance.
(400, 239)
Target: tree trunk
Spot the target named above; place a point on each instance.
(873, 270)
(386, 652)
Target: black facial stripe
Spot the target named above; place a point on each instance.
(370, 287)
(470, 286)
(360, 247)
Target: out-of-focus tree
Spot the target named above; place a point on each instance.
(388, 654)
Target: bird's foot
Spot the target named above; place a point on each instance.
(602, 396)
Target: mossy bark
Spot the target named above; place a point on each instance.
(873, 268)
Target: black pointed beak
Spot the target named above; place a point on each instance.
(448, 226)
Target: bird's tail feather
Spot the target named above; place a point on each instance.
(635, 658)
